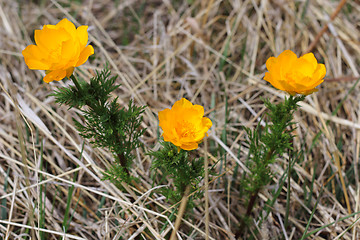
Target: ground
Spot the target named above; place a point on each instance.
(213, 53)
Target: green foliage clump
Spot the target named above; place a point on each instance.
(176, 165)
(265, 144)
(106, 124)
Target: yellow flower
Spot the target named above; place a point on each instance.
(295, 75)
(184, 124)
(59, 48)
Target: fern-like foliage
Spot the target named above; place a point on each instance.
(266, 144)
(106, 124)
(176, 165)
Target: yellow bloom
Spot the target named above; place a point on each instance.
(59, 48)
(184, 124)
(295, 75)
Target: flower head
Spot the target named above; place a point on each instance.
(184, 124)
(294, 75)
(59, 49)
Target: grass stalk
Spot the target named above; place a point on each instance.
(181, 212)
(288, 193)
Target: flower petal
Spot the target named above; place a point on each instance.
(189, 146)
(68, 26)
(285, 62)
(84, 55)
(82, 35)
(305, 67)
(56, 75)
(69, 71)
(50, 39)
(164, 117)
(206, 123)
(320, 71)
(33, 58)
(309, 57)
(272, 66)
(273, 81)
(182, 103)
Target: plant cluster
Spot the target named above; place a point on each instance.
(184, 127)
(106, 124)
(60, 48)
(265, 145)
(270, 142)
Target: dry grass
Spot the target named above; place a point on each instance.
(209, 51)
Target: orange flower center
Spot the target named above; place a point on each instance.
(54, 55)
(291, 77)
(185, 129)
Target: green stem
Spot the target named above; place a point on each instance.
(252, 200)
(75, 82)
(121, 156)
(123, 163)
(247, 215)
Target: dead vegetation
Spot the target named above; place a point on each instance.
(213, 53)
